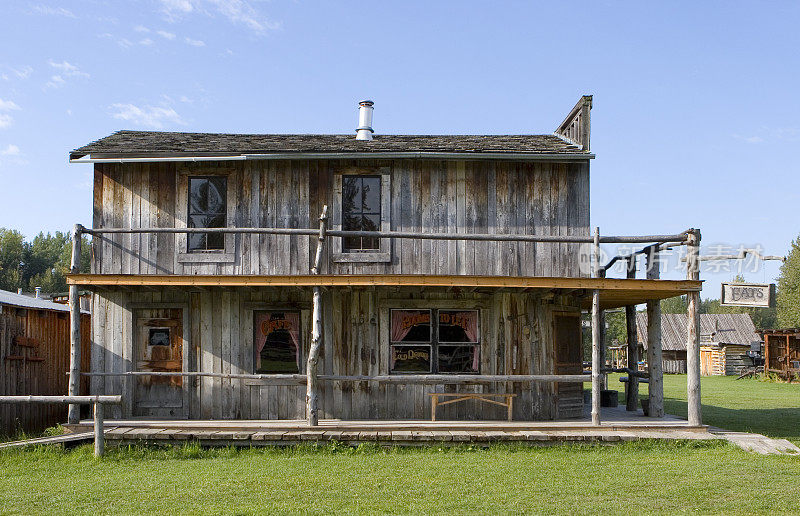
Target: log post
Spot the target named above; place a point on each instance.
(603, 348)
(99, 433)
(693, 331)
(596, 380)
(654, 354)
(632, 387)
(73, 387)
(312, 384)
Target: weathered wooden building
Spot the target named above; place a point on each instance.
(444, 264)
(726, 341)
(34, 359)
(781, 350)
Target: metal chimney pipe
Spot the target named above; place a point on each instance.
(38, 292)
(364, 130)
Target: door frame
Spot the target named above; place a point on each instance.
(129, 382)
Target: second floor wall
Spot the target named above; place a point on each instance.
(545, 197)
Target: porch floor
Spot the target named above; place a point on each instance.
(617, 425)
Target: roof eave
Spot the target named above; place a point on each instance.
(493, 156)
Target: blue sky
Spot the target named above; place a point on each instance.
(696, 121)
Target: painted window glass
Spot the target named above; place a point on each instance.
(158, 337)
(458, 349)
(361, 211)
(410, 335)
(452, 345)
(207, 209)
(277, 342)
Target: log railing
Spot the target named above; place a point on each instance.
(97, 413)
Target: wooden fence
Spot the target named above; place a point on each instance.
(34, 359)
(674, 366)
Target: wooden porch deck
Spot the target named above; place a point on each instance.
(618, 425)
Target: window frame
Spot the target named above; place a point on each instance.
(225, 255)
(301, 344)
(384, 252)
(435, 343)
(248, 310)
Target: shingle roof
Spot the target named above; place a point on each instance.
(22, 301)
(717, 328)
(137, 143)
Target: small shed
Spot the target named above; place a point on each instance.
(725, 342)
(782, 352)
(34, 359)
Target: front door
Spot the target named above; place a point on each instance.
(569, 360)
(160, 348)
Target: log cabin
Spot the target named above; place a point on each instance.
(726, 342)
(280, 276)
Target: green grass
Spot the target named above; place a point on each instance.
(706, 477)
(635, 477)
(747, 405)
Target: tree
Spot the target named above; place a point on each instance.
(12, 256)
(43, 262)
(788, 302)
(674, 305)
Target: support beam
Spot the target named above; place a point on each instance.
(312, 383)
(632, 387)
(596, 375)
(693, 332)
(74, 385)
(654, 354)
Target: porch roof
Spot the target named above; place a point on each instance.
(614, 292)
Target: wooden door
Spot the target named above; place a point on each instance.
(569, 360)
(706, 362)
(160, 348)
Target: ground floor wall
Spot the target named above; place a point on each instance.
(213, 331)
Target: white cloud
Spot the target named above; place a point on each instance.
(22, 73)
(10, 150)
(195, 42)
(53, 11)
(239, 12)
(65, 71)
(771, 135)
(8, 105)
(56, 81)
(5, 119)
(141, 28)
(147, 116)
(125, 43)
(68, 69)
(146, 42)
(166, 35)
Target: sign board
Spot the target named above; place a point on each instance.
(748, 294)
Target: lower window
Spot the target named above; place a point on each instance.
(277, 342)
(434, 341)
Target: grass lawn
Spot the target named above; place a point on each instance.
(747, 405)
(635, 477)
(707, 477)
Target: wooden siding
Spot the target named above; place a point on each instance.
(34, 360)
(427, 196)
(516, 338)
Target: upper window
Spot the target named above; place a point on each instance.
(452, 345)
(361, 211)
(207, 209)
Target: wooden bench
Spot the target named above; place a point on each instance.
(464, 396)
